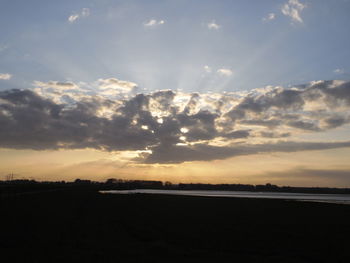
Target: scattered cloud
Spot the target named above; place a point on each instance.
(207, 69)
(153, 23)
(269, 17)
(172, 126)
(224, 72)
(213, 25)
(221, 71)
(293, 9)
(3, 47)
(85, 12)
(5, 76)
(339, 71)
(72, 18)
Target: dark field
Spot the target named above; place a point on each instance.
(84, 226)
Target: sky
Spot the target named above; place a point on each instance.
(182, 91)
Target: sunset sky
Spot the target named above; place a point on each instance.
(183, 91)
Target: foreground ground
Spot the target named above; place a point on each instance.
(84, 226)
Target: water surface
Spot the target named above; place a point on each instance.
(329, 198)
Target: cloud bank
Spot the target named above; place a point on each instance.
(171, 126)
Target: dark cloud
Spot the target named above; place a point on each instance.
(287, 99)
(164, 100)
(236, 114)
(335, 121)
(279, 99)
(237, 134)
(304, 125)
(175, 129)
(274, 134)
(333, 91)
(205, 152)
(272, 123)
(192, 103)
(201, 125)
(28, 121)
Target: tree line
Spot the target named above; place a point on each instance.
(18, 186)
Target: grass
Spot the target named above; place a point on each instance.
(85, 226)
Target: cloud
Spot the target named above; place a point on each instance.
(153, 23)
(56, 85)
(237, 134)
(85, 12)
(292, 9)
(3, 47)
(72, 18)
(207, 69)
(339, 71)
(339, 176)
(221, 71)
(115, 87)
(224, 72)
(5, 76)
(304, 125)
(269, 17)
(335, 121)
(172, 126)
(70, 92)
(213, 25)
(113, 83)
(205, 152)
(268, 134)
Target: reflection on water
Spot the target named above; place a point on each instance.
(329, 198)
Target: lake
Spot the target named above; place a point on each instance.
(329, 198)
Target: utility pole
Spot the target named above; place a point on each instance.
(10, 176)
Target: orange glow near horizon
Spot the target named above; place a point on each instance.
(296, 169)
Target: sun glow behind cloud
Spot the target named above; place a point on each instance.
(167, 90)
(146, 131)
(175, 135)
(321, 168)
